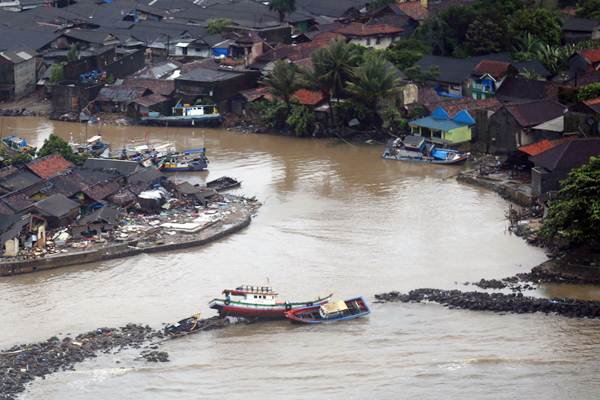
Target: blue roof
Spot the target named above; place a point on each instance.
(440, 113)
(463, 117)
(437, 124)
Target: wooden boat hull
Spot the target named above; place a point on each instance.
(429, 160)
(247, 310)
(178, 121)
(223, 183)
(311, 315)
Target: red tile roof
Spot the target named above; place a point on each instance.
(309, 97)
(591, 102)
(49, 166)
(455, 105)
(252, 95)
(592, 55)
(413, 9)
(496, 69)
(303, 50)
(538, 147)
(358, 29)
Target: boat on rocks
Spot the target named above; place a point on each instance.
(416, 148)
(185, 115)
(223, 183)
(333, 311)
(188, 160)
(195, 324)
(258, 302)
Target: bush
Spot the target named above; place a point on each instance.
(591, 91)
(56, 145)
(273, 114)
(393, 120)
(575, 214)
(217, 25)
(57, 73)
(301, 120)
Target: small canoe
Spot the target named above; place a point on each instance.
(332, 311)
(223, 183)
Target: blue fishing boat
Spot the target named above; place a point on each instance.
(332, 311)
(16, 145)
(416, 148)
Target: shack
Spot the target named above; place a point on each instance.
(101, 220)
(58, 210)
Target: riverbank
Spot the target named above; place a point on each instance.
(513, 190)
(238, 217)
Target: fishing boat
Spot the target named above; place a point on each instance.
(94, 147)
(16, 145)
(186, 115)
(258, 302)
(416, 148)
(188, 160)
(223, 183)
(333, 311)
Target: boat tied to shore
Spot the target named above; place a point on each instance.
(258, 302)
(14, 145)
(332, 311)
(416, 148)
(185, 115)
(94, 147)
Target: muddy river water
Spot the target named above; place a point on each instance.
(336, 218)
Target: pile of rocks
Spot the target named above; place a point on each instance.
(497, 302)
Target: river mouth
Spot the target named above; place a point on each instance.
(335, 218)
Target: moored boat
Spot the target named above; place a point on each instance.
(188, 160)
(416, 148)
(94, 147)
(16, 145)
(223, 183)
(258, 302)
(186, 115)
(330, 312)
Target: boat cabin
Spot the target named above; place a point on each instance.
(194, 111)
(252, 294)
(333, 309)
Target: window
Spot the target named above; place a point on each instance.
(378, 40)
(368, 41)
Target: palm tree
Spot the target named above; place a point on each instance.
(282, 7)
(332, 68)
(283, 81)
(527, 47)
(373, 80)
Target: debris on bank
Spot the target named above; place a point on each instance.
(496, 302)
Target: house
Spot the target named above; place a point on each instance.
(554, 164)
(192, 48)
(58, 210)
(14, 179)
(575, 30)
(584, 61)
(11, 228)
(49, 166)
(101, 220)
(116, 98)
(453, 77)
(515, 89)
(406, 16)
(516, 125)
(488, 76)
(245, 49)
(376, 36)
(440, 127)
(123, 168)
(208, 80)
(17, 73)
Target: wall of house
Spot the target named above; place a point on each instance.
(544, 181)
(71, 98)
(190, 51)
(374, 42)
(126, 65)
(409, 94)
(458, 135)
(501, 135)
(25, 77)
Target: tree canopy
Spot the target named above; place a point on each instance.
(282, 7)
(217, 25)
(575, 214)
(283, 81)
(56, 145)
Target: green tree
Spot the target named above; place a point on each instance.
(301, 120)
(406, 52)
(282, 7)
(283, 81)
(591, 91)
(57, 73)
(332, 68)
(415, 73)
(589, 9)
(526, 47)
(575, 214)
(273, 114)
(531, 75)
(373, 81)
(539, 22)
(73, 53)
(217, 25)
(375, 4)
(393, 120)
(56, 145)
(485, 36)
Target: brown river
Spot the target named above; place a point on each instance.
(335, 218)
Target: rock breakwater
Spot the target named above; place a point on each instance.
(496, 302)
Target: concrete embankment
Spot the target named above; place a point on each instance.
(517, 192)
(218, 231)
(497, 302)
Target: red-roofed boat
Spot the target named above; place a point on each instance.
(258, 302)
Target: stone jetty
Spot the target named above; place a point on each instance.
(496, 302)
